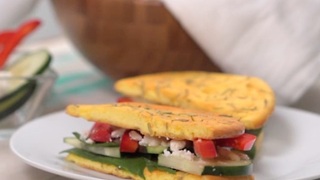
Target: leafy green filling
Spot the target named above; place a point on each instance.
(255, 132)
(106, 144)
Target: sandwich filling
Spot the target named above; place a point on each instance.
(130, 150)
(256, 132)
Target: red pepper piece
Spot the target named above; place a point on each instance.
(243, 142)
(5, 36)
(100, 132)
(124, 99)
(11, 40)
(204, 148)
(127, 144)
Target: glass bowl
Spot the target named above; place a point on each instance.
(20, 105)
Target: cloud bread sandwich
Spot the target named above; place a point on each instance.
(148, 141)
(249, 99)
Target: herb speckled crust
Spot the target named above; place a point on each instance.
(161, 121)
(249, 99)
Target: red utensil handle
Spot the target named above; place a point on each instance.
(10, 39)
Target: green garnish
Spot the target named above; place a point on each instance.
(134, 164)
(106, 144)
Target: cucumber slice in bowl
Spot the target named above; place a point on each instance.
(28, 66)
(10, 103)
(21, 84)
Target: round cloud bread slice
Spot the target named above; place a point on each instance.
(161, 121)
(249, 99)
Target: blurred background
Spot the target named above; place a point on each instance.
(44, 11)
(82, 79)
(78, 80)
(69, 85)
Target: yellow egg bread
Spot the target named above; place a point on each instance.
(161, 121)
(249, 99)
(149, 175)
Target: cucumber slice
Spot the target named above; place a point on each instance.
(202, 167)
(252, 152)
(192, 166)
(106, 151)
(9, 104)
(241, 169)
(152, 149)
(28, 66)
(21, 85)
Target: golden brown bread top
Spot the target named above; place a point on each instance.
(149, 175)
(248, 99)
(162, 121)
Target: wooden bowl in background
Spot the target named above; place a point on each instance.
(129, 37)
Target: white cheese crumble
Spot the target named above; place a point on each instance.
(176, 145)
(84, 135)
(135, 135)
(117, 133)
(89, 141)
(181, 153)
(150, 141)
(165, 143)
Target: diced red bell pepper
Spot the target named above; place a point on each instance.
(5, 37)
(243, 142)
(127, 144)
(124, 99)
(100, 132)
(205, 149)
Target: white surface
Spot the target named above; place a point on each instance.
(14, 11)
(290, 150)
(18, 11)
(277, 40)
(50, 27)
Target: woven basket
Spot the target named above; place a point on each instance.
(129, 37)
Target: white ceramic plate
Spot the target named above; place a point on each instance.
(290, 149)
